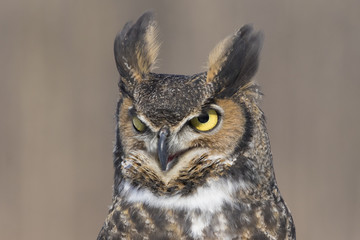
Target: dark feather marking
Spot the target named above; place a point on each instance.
(184, 222)
(243, 144)
(269, 218)
(292, 227)
(119, 224)
(104, 233)
(159, 235)
(158, 216)
(137, 236)
(242, 170)
(239, 217)
(260, 236)
(137, 219)
(282, 228)
(118, 152)
(124, 91)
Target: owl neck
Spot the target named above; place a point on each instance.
(253, 164)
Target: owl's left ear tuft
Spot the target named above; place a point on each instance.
(136, 49)
(234, 61)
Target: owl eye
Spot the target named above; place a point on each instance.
(138, 124)
(206, 121)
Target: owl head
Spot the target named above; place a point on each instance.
(176, 133)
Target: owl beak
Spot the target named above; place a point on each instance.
(163, 147)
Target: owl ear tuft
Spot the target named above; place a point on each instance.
(136, 49)
(234, 61)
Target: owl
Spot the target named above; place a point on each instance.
(192, 156)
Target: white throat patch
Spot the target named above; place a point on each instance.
(209, 198)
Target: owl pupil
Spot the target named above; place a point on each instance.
(203, 118)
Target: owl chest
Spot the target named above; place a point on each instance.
(231, 221)
(210, 213)
(151, 223)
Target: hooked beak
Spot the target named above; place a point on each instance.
(163, 147)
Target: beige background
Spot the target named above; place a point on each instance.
(58, 91)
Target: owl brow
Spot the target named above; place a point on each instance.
(132, 111)
(208, 104)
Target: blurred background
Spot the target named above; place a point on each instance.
(58, 92)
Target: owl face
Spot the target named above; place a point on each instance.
(175, 132)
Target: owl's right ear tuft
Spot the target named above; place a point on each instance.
(234, 61)
(136, 49)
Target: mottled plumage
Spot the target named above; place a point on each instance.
(192, 155)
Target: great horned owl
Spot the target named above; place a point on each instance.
(192, 156)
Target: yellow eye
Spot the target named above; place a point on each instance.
(205, 122)
(138, 125)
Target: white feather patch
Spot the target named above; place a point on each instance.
(198, 223)
(207, 198)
